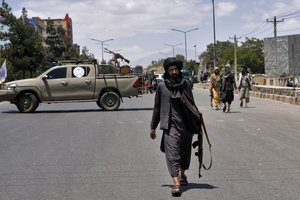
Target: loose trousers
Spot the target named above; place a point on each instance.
(178, 148)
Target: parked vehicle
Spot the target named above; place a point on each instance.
(188, 76)
(71, 82)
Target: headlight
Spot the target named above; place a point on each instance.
(12, 86)
(3, 86)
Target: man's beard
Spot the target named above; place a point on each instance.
(175, 78)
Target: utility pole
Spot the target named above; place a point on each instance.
(235, 60)
(275, 22)
(214, 29)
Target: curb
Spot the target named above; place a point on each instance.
(280, 98)
(274, 97)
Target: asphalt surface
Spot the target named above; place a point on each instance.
(76, 151)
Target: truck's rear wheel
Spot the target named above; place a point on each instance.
(109, 101)
(27, 103)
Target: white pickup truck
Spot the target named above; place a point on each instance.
(71, 82)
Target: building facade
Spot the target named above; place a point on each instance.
(40, 26)
(282, 55)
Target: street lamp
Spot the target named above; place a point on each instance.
(165, 54)
(102, 42)
(195, 53)
(185, 37)
(214, 27)
(173, 46)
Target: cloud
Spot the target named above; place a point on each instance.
(120, 19)
(141, 27)
(225, 8)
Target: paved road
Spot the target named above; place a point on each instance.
(76, 151)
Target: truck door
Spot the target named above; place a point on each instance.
(82, 82)
(56, 85)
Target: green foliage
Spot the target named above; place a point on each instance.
(85, 54)
(155, 64)
(25, 51)
(192, 66)
(55, 41)
(249, 53)
(180, 57)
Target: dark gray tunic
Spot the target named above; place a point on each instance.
(177, 140)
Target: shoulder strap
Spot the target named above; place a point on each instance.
(209, 144)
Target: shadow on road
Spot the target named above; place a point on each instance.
(191, 186)
(78, 111)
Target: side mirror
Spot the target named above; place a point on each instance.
(45, 77)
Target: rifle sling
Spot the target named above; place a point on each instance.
(209, 144)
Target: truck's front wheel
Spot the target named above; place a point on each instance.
(109, 101)
(27, 103)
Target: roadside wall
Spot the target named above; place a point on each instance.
(282, 94)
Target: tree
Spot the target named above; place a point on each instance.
(85, 54)
(55, 41)
(250, 53)
(180, 57)
(24, 48)
(192, 67)
(7, 23)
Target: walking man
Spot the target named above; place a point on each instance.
(228, 87)
(244, 86)
(168, 111)
(214, 88)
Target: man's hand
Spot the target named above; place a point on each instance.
(152, 134)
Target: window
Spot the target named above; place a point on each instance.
(78, 71)
(57, 73)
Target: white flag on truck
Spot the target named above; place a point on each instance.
(3, 72)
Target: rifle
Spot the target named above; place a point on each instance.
(197, 125)
(116, 55)
(199, 143)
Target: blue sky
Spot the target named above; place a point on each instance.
(141, 28)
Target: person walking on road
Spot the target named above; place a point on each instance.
(214, 88)
(228, 87)
(168, 111)
(244, 86)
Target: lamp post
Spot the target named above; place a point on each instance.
(185, 37)
(214, 27)
(195, 53)
(173, 46)
(102, 42)
(165, 54)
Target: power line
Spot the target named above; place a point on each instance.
(256, 29)
(262, 25)
(289, 30)
(295, 16)
(263, 31)
(290, 14)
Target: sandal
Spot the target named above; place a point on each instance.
(224, 108)
(241, 104)
(176, 192)
(183, 180)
